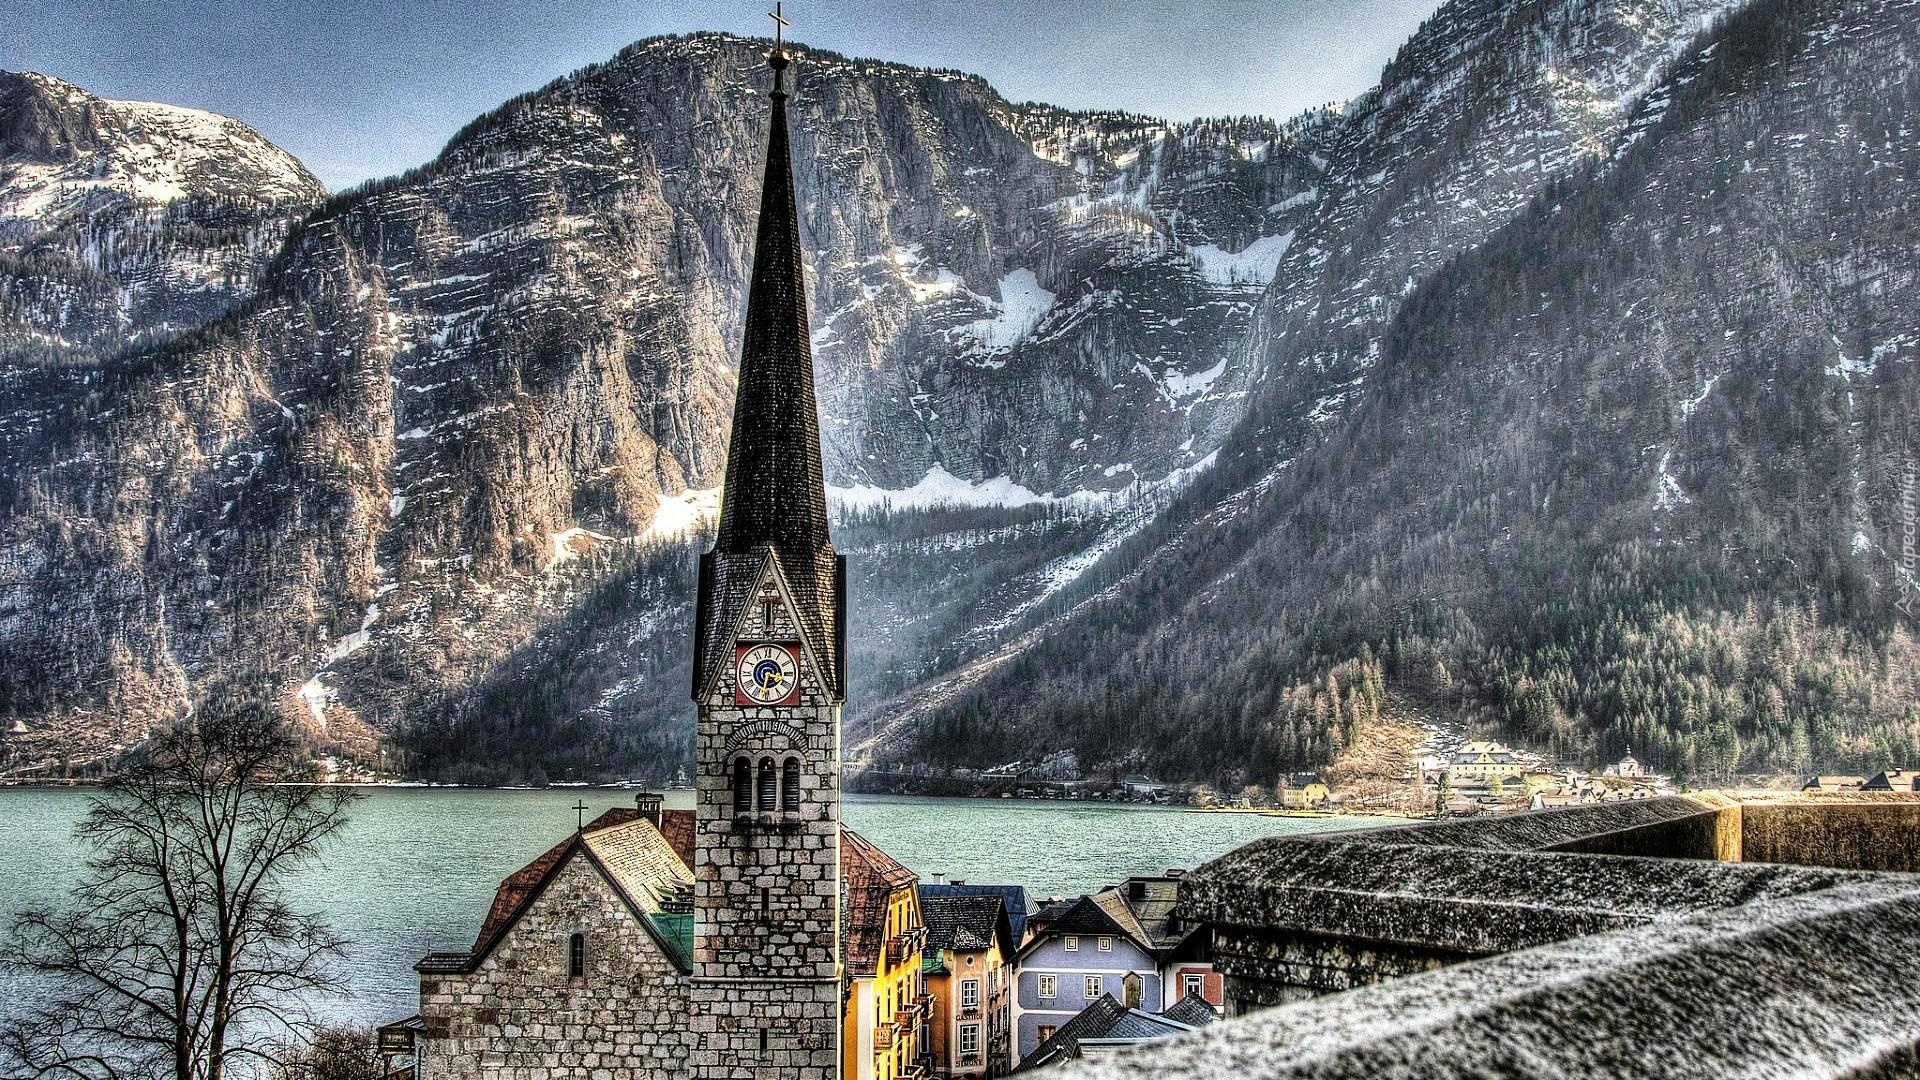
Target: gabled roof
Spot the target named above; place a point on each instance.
(774, 499)
(630, 854)
(1108, 1023)
(1083, 916)
(1089, 1023)
(965, 923)
(1194, 1012)
(1013, 900)
(868, 879)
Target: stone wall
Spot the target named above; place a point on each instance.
(519, 1016)
(1862, 832)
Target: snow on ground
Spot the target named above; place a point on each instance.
(1022, 305)
(570, 543)
(1256, 264)
(1687, 407)
(938, 488)
(1669, 494)
(680, 514)
(1181, 385)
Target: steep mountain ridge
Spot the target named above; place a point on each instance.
(458, 394)
(128, 221)
(1630, 473)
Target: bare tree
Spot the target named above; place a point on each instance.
(177, 955)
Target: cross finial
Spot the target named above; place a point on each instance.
(580, 807)
(780, 24)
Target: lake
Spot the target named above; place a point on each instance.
(416, 868)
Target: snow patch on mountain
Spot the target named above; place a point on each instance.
(1022, 306)
(1255, 264)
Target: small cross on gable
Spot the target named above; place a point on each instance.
(580, 807)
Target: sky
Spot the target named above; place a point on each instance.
(358, 90)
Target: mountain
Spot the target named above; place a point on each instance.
(1633, 470)
(1556, 384)
(460, 399)
(128, 221)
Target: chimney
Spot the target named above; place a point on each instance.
(648, 803)
(958, 881)
(939, 879)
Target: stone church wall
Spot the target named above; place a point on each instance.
(519, 1016)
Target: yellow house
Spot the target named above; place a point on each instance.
(969, 943)
(1303, 791)
(882, 935)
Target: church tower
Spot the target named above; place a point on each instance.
(769, 678)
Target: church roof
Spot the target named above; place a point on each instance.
(774, 499)
(868, 879)
(642, 865)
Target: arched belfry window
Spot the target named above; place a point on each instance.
(767, 792)
(742, 786)
(790, 786)
(577, 956)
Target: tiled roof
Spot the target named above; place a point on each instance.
(868, 879)
(967, 923)
(1106, 1020)
(640, 863)
(677, 827)
(774, 497)
(1194, 1012)
(1013, 900)
(1092, 1022)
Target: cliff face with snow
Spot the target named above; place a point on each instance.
(454, 398)
(129, 221)
(1215, 407)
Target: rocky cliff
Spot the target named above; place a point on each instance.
(456, 397)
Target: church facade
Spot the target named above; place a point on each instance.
(709, 944)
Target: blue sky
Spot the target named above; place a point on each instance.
(359, 90)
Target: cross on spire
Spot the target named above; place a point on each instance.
(780, 24)
(580, 807)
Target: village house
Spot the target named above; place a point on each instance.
(887, 1005)
(1483, 765)
(1303, 791)
(969, 946)
(1124, 941)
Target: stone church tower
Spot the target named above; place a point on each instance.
(769, 679)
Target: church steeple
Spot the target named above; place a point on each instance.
(774, 501)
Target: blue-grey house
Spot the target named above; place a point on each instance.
(1123, 942)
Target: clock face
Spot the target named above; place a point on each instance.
(766, 675)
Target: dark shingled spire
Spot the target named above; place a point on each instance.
(775, 498)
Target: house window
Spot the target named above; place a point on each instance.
(577, 956)
(742, 786)
(1106, 944)
(969, 993)
(790, 786)
(1046, 1031)
(1049, 986)
(1193, 984)
(1071, 943)
(1094, 987)
(969, 1038)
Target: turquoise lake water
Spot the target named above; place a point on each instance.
(416, 868)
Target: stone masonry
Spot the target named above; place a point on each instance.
(766, 984)
(519, 1016)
